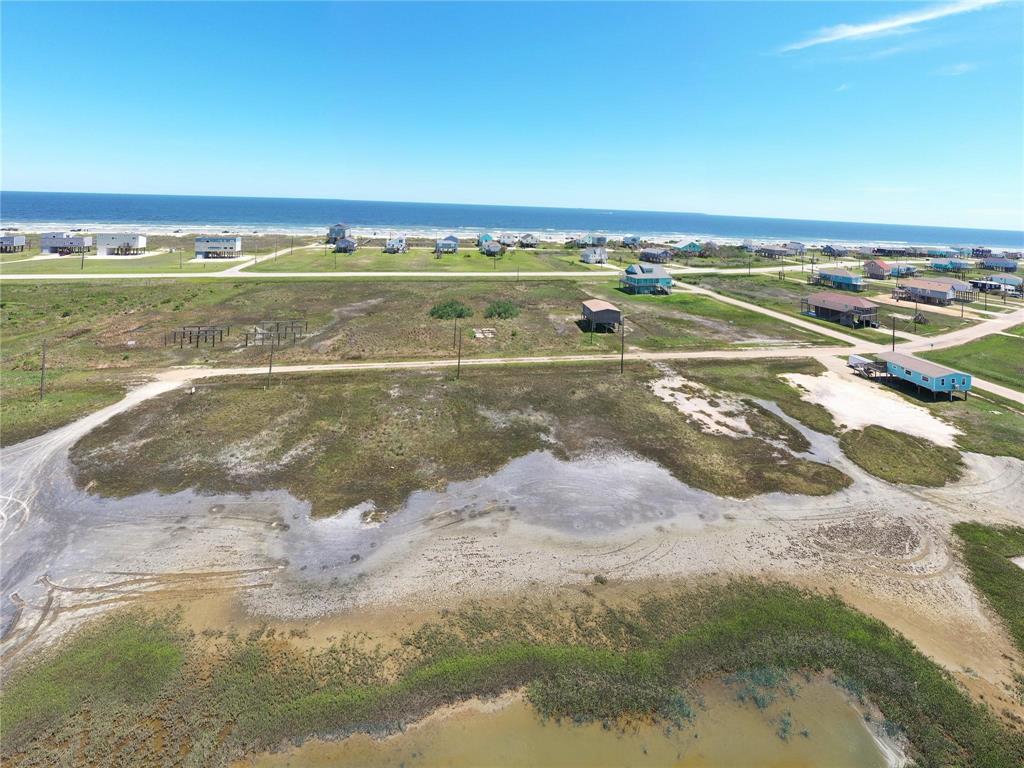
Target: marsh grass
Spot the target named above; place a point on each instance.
(578, 661)
(310, 434)
(987, 551)
(901, 458)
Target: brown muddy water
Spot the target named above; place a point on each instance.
(827, 731)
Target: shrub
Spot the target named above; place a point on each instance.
(503, 309)
(449, 310)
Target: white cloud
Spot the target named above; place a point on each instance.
(842, 87)
(891, 25)
(955, 70)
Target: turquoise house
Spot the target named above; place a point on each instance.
(950, 265)
(691, 247)
(646, 278)
(925, 374)
(484, 238)
(903, 270)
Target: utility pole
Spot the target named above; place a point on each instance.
(458, 365)
(915, 315)
(83, 258)
(622, 346)
(893, 318)
(455, 333)
(270, 369)
(42, 372)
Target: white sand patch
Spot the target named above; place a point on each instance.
(855, 404)
(716, 413)
(1018, 561)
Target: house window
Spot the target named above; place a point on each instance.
(925, 378)
(942, 382)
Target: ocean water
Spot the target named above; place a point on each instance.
(156, 213)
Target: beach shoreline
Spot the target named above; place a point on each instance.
(559, 236)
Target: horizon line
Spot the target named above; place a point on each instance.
(512, 205)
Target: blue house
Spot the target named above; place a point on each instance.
(903, 270)
(449, 244)
(631, 241)
(925, 374)
(337, 232)
(1014, 282)
(484, 238)
(656, 255)
(998, 263)
(998, 284)
(837, 277)
(646, 278)
(345, 245)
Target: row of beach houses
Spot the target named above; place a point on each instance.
(939, 290)
(66, 243)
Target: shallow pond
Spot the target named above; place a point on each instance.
(826, 730)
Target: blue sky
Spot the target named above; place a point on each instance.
(889, 112)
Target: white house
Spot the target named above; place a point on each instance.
(12, 243)
(120, 244)
(396, 245)
(795, 246)
(64, 242)
(508, 240)
(218, 247)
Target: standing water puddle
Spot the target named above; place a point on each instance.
(825, 731)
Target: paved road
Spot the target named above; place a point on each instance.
(238, 270)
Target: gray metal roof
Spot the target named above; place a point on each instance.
(926, 367)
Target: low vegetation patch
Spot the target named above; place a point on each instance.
(988, 424)
(121, 661)
(987, 551)
(502, 310)
(312, 434)
(995, 357)
(584, 660)
(449, 310)
(762, 379)
(901, 458)
(69, 395)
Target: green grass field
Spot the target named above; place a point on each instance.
(165, 261)
(138, 684)
(69, 395)
(987, 551)
(784, 296)
(423, 259)
(996, 357)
